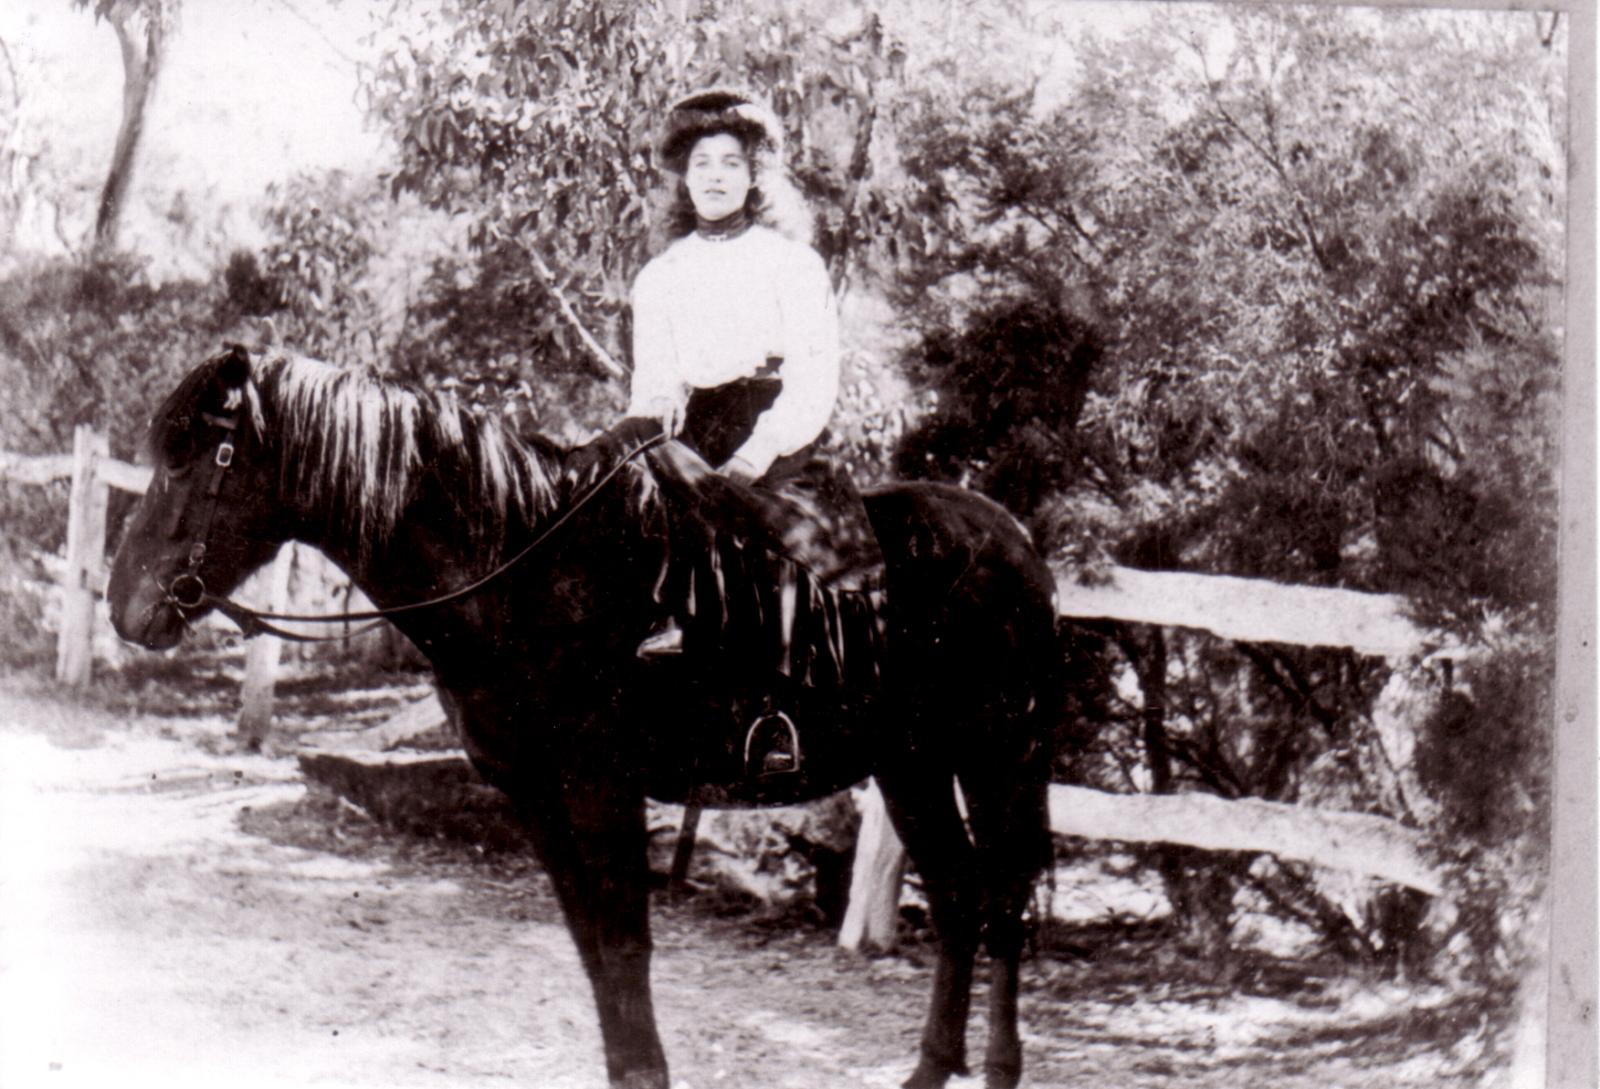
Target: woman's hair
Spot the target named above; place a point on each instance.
(774, 201)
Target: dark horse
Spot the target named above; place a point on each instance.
(414, 495)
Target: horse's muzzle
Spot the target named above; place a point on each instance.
(148, 613)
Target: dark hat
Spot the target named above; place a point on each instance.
(714, 110)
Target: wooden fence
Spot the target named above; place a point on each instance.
(93, 473)
(1245, 610)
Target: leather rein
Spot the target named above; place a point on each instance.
(187, 591)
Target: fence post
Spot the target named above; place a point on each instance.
(683, 853)
(86, 556)
(261, 659)
(873, 914)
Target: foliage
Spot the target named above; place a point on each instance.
(1483, 753)
(1362, 244)
(355, 276)
(313, 272)
(164, 12)
(1010, 386)
(1484, 757)
(472, 329)
(81, 343)
(1319, 251)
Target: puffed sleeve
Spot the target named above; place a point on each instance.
(810, 369)
(656, 385)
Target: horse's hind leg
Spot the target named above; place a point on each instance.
(923, 809)
(1010, 825)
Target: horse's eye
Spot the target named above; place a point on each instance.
(178, 448)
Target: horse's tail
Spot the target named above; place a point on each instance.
(1045, 717)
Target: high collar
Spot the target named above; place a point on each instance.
(721, 230)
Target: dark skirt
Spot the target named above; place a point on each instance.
(717, 421)
(819, 517)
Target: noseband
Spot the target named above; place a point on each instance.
(187, 591)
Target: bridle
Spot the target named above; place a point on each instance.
(187, 591)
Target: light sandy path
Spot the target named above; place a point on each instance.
(148, 937)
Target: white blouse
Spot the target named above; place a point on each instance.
(708, 312)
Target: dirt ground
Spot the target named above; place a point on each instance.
(175, 912)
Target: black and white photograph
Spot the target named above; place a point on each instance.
(797, 544)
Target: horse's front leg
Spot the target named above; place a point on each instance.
(590, 835)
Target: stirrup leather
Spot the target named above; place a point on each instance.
(774, 760)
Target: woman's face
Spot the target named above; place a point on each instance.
(718, 176)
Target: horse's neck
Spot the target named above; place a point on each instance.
(424, 553)
(433, 550)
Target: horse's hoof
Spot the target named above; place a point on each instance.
(1001, 1076)
(933, 1075)
(642, 1079)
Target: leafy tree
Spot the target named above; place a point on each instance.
(1010, 387)
(314, 271)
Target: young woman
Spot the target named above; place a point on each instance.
(735, 334)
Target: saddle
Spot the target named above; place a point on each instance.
(778, 590)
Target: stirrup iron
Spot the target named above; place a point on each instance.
(781, 759)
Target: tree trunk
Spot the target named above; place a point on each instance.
(1199, 886)
(142, 39)
(1152, 669)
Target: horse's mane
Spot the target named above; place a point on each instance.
(357, 446)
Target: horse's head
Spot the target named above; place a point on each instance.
(208, 518)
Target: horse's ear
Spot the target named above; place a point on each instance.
(234, 371)
(232, 376)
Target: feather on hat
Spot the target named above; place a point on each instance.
(717, 109)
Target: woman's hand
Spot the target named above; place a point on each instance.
(670, 413)
(604, 453)
(737, 468)
(669, 410)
